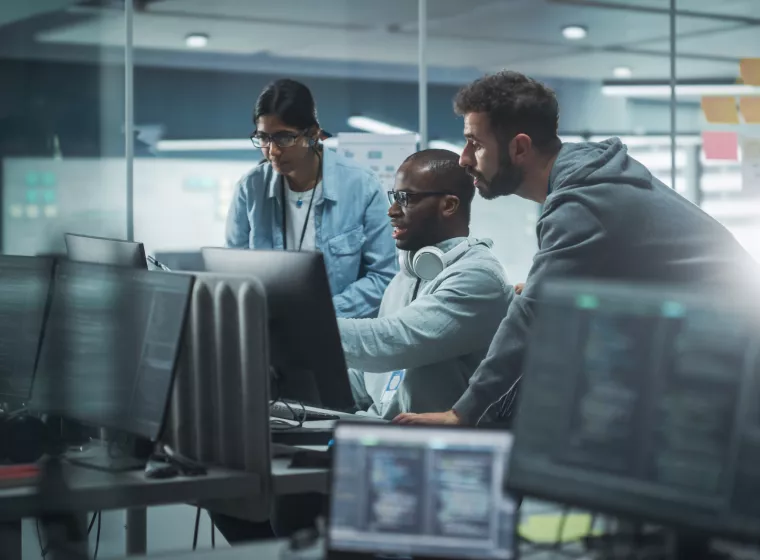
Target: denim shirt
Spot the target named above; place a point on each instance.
(352, 229)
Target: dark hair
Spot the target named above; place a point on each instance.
(515, 105)
(444, 169)
(290, 101)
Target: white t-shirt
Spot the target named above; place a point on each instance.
(295, 215)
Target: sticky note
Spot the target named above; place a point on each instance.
(720, 110)
(750, 109)
(721, 145)
(750, 71)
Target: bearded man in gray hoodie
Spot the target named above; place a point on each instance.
(604, 216)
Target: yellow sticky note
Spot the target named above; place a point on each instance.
(720, 110)
(750, 71)
(750, 109)
(546, 528)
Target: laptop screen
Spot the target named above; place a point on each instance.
(422, 491)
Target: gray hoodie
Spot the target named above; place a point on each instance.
(606, 217)
(439, 338)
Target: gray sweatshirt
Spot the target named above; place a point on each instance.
(606, 217)
(439, 338)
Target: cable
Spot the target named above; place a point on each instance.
(213, 531)
(97, 537)
(43, 548)
(197, 524)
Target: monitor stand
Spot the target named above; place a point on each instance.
(112, 453)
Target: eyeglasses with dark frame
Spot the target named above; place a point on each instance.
(402, 197)
(283, 139)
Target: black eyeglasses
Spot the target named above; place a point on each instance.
(402, 197)
(284, 139)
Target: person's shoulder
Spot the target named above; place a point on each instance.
(257, 177)
(480, 265)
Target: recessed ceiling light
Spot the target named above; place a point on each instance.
(622, 72)
(196, 40)
(574, 32)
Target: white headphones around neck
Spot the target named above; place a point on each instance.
(429, 262)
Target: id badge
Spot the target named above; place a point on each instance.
(393, 384)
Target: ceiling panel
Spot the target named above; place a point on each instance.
(738, 43)
(599, 66)
(748, 8)
(369, 13)
(532, 21)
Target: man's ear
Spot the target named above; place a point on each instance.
(450, 205)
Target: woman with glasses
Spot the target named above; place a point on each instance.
(301, 197)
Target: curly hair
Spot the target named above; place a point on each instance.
(515, 104)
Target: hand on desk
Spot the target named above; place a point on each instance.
(449, 418)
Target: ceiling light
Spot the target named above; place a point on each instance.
(196, 40)
(214, 145)
(622, 72)
(574, 32)
(372, 125)
(443, 145)
(682, 90)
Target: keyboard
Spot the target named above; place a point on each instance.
(304, 414)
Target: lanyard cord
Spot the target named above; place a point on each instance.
(416, 288)
(308, 211)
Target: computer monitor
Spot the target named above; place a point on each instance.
(101, 250)
(420, 491)
(643, 401)
(110, 346)
(24, 291)
(305, 347)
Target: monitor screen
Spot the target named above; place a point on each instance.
(24, 291)
(643, 401)
(420, 491)
(100, 250)
(110, 346)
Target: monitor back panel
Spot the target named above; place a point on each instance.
(643, 402)
(100, 250)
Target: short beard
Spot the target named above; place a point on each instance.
(507, 180)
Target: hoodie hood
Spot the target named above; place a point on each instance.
(590, 163)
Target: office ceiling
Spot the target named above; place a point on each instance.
(480, 35)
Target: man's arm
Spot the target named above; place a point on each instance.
(573, 243)
(238, 228)
(362, 297)
(459, 317)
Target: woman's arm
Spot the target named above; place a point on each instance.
(379, 261)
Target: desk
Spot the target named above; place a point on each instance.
(92, 490)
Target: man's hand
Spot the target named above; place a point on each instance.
(519, 288)
(449, 418)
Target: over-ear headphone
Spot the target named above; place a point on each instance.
(429, 262)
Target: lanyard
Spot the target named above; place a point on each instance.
(416, 288)
(285, 219)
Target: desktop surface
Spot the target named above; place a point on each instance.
(110, 346)
(420, 491)
(643, 402)
(24, 291)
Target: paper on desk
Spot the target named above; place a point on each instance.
(720, 110)
(751, 164)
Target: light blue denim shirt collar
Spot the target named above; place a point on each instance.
(328, 186)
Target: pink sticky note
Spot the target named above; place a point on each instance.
(721, 145)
